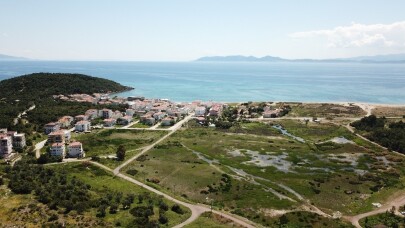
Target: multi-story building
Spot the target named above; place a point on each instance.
(200, 111)
(106, 113)
(58, 149)
(82, 126)
(6, 146)
(56, 137)
(51, 127)
(19, 140)
(91, 114)
(109, 122)
(75, 150)
(80, 117)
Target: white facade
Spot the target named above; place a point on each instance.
(58, 149)
(6, 146)
(19, 140)
(75, 150)
(51, 127)
(129, 112)
(82, 126)
(200, 111)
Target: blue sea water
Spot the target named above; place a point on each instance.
(231, 82)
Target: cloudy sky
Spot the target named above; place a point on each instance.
(182, 30)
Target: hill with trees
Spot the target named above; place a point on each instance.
(20, 93)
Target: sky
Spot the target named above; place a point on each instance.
(184, 30)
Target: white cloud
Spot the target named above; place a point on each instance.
(360, 35)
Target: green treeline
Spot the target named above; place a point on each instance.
(390, 135)
(19, 93)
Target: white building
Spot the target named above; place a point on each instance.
(168, 121)
(106, 113)
(6, 146)
(19, 140)
(58, 149)
(75, 150)
(51, 127)
(91, 114)
(109, 122)
(129, 112)
(200, 111)
(82, 126)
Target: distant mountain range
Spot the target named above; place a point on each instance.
(395, 58)
(11, 58)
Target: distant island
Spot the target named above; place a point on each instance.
(395, 58)
(11, 58)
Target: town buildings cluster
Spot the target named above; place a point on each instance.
(9, 141)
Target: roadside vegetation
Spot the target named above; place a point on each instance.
(102, 145)
(382, 131)
(81, 195)
(387, 219)
(324, 110)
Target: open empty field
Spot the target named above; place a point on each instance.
(325, 110)
(104, 143)
(324, 164)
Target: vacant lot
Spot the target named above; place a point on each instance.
(325, 110)
(104, 143)
(389, 111)
(331, 167)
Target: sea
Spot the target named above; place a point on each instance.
(238, 81)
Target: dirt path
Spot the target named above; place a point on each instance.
(147, 148)
(396, 202)
(15, 121)
(196, 209)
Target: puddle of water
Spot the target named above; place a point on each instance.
(277, 161)
(341, 140)
(285, 132)
(202, 157)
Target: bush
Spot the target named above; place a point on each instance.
(176, 208)
(132, 172)
(163, 219)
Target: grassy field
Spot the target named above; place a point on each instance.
(335, 177)
(387, 219)
(103, 143)
(140, 125)
(307, 219)
(389, 111)
(211, 220)
(325, 110)
(24, 210)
